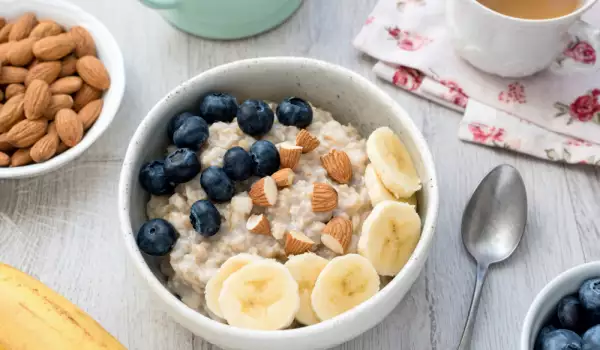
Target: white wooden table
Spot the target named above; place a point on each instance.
(63, 227)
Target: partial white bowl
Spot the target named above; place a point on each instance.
(351, 99)
(108, 51)
(545, 302)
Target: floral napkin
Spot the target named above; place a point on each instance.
(550, 115)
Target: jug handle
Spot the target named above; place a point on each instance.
(161, 4)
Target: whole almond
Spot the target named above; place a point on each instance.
(13, 89)
(84, 43)
(20, 52)
(46, 71)
(4, 159)
(44, 29)
(88, 114)
(20, 157)
(26, 132)
(22, 27)
(4, 50)
(66, 85)
(93, 72)
(84, 96)
(57, 102)
(53, 47)
(12, 75)
(69, 66)
(69, 128)
(37, 99)
(5, 32)
(5, 146)
(12, 112)
(46, 147)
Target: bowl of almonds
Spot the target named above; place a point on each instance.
(61, 83)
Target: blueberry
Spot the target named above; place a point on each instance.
(205, 218)
(217, 185)
(562, 339)
(156, 237)
(570, 313)
(176, 122)
(182, 165)
(265, 157)
(192, 133)
(589, 294)
(255, 117)
(153, 179)
(541, 335)
(238, 164)
(294, 111)
(218, 107)
(591, 338)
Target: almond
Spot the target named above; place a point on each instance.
(13, 90)
(259, 224)
(61, 148)
(297, 243)
(45, 148)
(4, 50)
(12, 112)
(46, 71)
(2, 22)
(69, 66)
(20, 157)
(12, 75)
(284, 177)
(324, 197)
(338, 166)
(37, 99)
(44, 29)
(5, 146)
(69, 128)
(264, 192)
(4, 159)
(337, 234)
(26, 132)
(88, 114)
(84, 96)
(5, 32)
(307, 141)
(20, 52)
(289, 155)
(57, 102)
(93, 72)
(22, 27)
(53, 47)
(84, 43)
(66, 85)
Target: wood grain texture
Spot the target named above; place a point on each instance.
(63, 227)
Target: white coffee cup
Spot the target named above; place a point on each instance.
(516, 47)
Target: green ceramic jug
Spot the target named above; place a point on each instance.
(225, 19)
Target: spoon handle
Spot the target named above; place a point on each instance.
(465, 340)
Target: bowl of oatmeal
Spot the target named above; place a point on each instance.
(278, 202)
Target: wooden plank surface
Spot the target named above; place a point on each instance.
(63, 227)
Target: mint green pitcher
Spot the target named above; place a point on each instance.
(225, 19)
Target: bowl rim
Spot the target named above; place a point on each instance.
(549, 289)
(107, 115)
(413, 266)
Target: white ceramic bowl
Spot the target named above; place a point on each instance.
(545, 302)
(351, 99)
(108, 51)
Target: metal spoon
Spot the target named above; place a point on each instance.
(492, 226)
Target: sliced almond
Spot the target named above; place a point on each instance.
(259, 224)
(289, 155)
(284, 177)
(20, 52)
(12, 75)
(53, 47)
(20, 157)
(26, 132)
(66, 85)
(5, 146)
(46, 71)
(5, 32)
(338, 166)
(69, 127)
(57, 102)
(84, 43)
(93, 72)
(297, 243)
(69, 66)
(44, 29)
(264, 192)
(337, 234)
(307, 141)
(12, 112)
(4, 159)
(324, 198)
(22, 27)
(84, 96)
(37, 99)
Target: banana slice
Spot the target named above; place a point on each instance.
(389, 236)
(305, 268)
(378, 192)
(215, 284)
(344, 283)
(261, 295)
(392, 163)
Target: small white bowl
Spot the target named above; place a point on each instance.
(545, 302)
(70, 15)
(351, 99)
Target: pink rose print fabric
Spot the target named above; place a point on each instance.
(551, 115)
